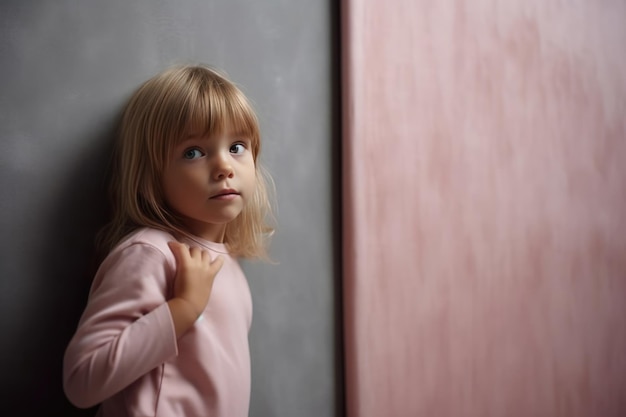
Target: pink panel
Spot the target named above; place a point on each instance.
(485, 208)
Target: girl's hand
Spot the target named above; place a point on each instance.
(195, 273)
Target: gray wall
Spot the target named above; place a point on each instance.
(67, 69)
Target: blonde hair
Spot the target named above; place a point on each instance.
(162, 112)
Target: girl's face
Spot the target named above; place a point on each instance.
(208, 181)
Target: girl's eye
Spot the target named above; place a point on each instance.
(192, 154)
(237, 148)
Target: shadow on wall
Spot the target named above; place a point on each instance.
(68, 261)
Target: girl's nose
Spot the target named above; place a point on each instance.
(222, 168)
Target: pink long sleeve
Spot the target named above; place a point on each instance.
(125, 354)
(126, 329)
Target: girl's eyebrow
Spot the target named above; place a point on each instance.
(196, 136)
(193, 135)
(190, 140)
(241, 136)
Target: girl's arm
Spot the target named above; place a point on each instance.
(129, 327)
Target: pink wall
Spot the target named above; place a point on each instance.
(485, 207)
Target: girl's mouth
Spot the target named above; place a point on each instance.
(227, 194)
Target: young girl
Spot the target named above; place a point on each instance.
(165, 329)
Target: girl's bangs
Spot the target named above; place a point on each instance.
(218, 109)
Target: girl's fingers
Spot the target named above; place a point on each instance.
(183, 254)
(179, 250)
(195, 252)
(216, 264)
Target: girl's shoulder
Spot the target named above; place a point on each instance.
(143, 253)
(148, 238)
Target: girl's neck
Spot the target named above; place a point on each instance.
(210, 232)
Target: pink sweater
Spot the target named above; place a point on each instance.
(125, 354)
